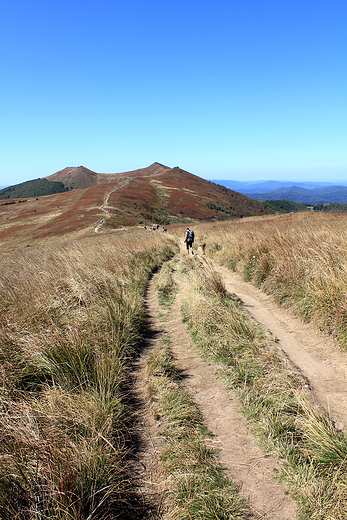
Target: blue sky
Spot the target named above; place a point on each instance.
(241, 90)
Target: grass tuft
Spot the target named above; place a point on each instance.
(165, 285)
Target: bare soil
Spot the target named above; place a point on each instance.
(147, 474)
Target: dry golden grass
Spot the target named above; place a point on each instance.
(313, 453)
(300, 259)
(71, 319)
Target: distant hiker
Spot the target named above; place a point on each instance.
(189, 239)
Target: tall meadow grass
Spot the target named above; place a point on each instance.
(71, 320)
(300, 259)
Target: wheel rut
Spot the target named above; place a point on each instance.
(147, 474)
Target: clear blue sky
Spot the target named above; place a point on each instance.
(234, 89)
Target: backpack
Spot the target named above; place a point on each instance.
(190, 235)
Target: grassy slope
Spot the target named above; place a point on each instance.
(160, 195)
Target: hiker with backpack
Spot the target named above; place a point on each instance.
(189, 239)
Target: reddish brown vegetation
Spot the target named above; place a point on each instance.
(155, 194)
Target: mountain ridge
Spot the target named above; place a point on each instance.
(246, 187)
(93, 202)
(79, 177)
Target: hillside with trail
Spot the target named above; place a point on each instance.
(99, 202)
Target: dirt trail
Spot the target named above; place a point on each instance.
(315, 355)
(103, 208)
(244, 462)
(146, 470)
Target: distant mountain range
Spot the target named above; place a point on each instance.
(325, 195)
(80, 177)
(303, 192)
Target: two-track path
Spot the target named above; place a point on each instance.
(314, 355)
(244, 462)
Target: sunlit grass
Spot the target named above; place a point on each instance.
(71, 320)
(199, 488)
(299, 259)
(313, 453)
(165, 286)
